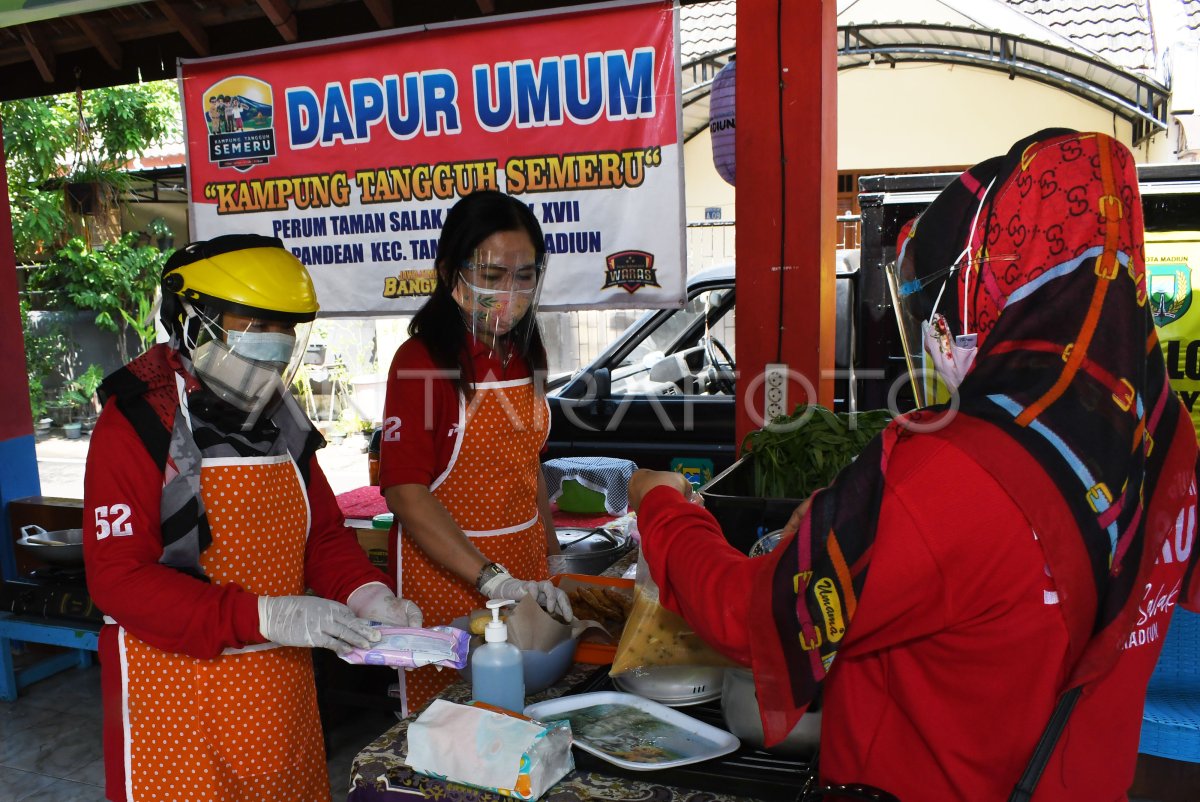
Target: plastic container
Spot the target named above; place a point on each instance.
(744, 517)
(497, 674)
(635, 733)
(540, 669)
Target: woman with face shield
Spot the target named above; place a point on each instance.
(982, 594)
(464, 421)
(208, 519)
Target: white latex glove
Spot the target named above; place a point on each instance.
(375, 602)
(506, 586)
(313, 621)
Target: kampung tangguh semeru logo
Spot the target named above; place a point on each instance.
(239, 112)
(630, 270)
(1170, 290)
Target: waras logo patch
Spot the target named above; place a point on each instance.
(630, 270)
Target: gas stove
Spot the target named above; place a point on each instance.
(50, 593)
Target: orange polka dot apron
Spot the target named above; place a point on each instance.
(490, 489)
(243, 726)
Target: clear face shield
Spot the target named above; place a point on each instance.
(498, 293)
(925, 334)
(938, 359)
(249, 362)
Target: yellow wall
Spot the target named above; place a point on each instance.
(928, 115)
(933, 114)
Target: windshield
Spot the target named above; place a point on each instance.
(630, 374)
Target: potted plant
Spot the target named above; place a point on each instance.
(78, 399)
(337, 433)
(782, 464)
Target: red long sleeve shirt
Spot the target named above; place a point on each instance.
(953, 662)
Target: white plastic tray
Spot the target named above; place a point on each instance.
(633, 732)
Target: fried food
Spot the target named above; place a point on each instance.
(619, 599)
(600, 603)
(581, 608)
(608, 606)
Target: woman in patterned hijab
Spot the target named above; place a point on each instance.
(984, 564)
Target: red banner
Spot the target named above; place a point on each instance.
(352, 151)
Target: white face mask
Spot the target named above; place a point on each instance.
(262, 346)
(251, 386)
(952, 356)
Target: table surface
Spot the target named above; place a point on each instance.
(379, 773)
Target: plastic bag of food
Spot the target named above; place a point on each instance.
(655, 636)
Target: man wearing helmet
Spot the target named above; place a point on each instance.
(208, 518)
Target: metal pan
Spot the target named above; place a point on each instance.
(60, 547)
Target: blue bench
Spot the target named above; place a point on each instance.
(80, 640)
(1171, 718)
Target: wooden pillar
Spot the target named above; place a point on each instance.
(786, 199)
(18, 459)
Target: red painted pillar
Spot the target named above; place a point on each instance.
(18, 458)
(785, 200)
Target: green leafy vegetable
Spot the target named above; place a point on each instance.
(793, 456)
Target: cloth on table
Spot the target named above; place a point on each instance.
(607, 475)
(362, 503)
(578, 520)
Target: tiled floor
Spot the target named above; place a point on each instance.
(50, 741)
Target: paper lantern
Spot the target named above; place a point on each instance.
(721, 121)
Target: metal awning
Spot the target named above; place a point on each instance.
(1140, 100)
(696, 86)
(987, 34)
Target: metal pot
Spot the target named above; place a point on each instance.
(674, 686)
(61, 547)
(588, 551)
(739, 706)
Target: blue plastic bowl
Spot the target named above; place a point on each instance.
(542, 669)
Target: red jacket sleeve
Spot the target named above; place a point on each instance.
(419, 410)
(170, 610)
(699, 574)
(334, 564)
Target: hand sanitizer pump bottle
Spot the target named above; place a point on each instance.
(497, 673)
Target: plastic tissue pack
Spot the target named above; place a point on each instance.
(484, 748)
(408, 647)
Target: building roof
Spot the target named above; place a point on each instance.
(706, 28)
(1191, 14)
(1118, 30)
(1102, 50)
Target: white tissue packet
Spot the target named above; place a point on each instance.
(484, 748)
(408, 647)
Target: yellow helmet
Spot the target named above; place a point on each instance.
(247, 274)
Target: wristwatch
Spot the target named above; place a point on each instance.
(487, 573)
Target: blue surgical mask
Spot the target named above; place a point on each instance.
(262, 346)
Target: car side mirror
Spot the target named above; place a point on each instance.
(601, 387)
(602, 378)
